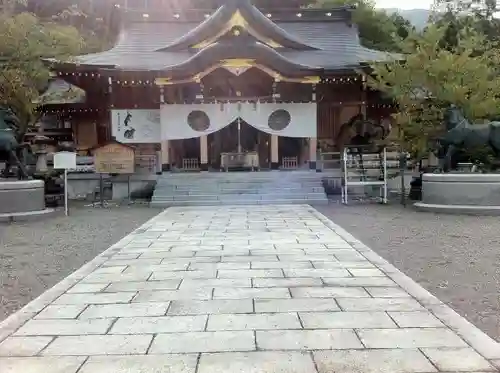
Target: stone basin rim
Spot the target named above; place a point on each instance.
(7, 184)
(462, 178)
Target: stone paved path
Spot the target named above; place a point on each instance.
(269, 289)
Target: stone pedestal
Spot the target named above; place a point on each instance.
(22, 198)
(462, 193)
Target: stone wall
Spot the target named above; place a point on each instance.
(87, 186)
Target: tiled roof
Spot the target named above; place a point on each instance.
(61, 92)
(144, 45)
(255, 18)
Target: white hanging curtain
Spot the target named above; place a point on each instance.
(180, 121)
(286, 119)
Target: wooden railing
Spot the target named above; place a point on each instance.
(289, 163)
(190, 164)
(146, 164)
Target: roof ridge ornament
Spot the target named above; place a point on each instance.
(237, 13)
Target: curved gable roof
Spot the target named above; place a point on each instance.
(259, 53)
(237, 13)
(141, 46)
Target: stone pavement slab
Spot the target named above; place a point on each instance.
(259, 321)
(210, 307)
(203, 342)
(58, 364)
(249, 289)
(373, 361)
(85, 345)
(61, 312)
(141, 364)
(307, 340)
(24, 346)
(257, 362)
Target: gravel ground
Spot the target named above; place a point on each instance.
(456, 258)
(34, 256)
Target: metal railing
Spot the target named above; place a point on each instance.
(332, 160)
(351, 173)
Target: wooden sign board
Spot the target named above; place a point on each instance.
(114, 158)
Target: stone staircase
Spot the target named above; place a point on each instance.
(239, 188)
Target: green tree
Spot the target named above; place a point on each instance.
(457, 14)
(432, 77)
(377, 29)
(26, 46)
(97, 21)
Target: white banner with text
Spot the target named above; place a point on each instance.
(136, 126)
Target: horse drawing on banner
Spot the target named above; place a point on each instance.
(129, 131)
(363, 136)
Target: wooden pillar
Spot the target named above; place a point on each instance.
(165, 156)
(363, 96)
(313, 145)
(304, 152)
(275, 163)
(165, 144)
(204, 153)
(313, 141)
(111, 103)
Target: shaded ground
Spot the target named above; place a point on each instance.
(457, 258)
(34, 256)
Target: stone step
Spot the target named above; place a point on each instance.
(238, 185)
(246, 197)
(240, 191)
(206, 189)
(249, 178)
(228, 180)
(251, 183)
(236, 192)
(238, 202)
(261, 174)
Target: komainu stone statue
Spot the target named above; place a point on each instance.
(462, 135)
(10, 146)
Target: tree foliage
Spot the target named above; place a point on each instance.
(26, 42)
(377, 29)
(458, 14)
(97, 21)
(432, 77)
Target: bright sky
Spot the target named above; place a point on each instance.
(404, 4)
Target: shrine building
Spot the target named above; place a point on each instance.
(192, 86)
